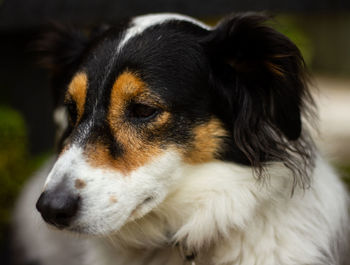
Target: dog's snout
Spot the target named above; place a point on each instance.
(58, 207)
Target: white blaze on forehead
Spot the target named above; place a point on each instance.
(139, 24)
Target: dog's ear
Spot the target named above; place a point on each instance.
(260, 76)
(60, 49)
(268, 70)
(60, 46)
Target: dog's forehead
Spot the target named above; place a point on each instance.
(141, 23)
(119, 40)
(157, 47)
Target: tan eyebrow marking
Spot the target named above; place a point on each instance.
(126, 87)
(136, 150)
(77, 91)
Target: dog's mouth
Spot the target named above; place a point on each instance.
(91, 229)
(138, 211)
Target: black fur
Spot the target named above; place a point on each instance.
(243, 72)
(60, 48)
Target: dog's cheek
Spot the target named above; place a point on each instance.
(207, 142)
(110, 199)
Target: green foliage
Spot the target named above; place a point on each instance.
(15, 162)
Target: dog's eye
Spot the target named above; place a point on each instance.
(72, 111)
(142, 111)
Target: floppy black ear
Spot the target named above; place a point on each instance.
(260, 74)
(60, 49)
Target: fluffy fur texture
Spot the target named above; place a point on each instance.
(183, 137)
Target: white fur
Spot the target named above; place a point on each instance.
(140, 23)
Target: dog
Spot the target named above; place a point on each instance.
(184, 144)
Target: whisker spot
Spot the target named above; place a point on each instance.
(79, 184)
(113, 199)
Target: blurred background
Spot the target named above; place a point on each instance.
(320, 28)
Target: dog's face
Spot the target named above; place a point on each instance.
(160, 94)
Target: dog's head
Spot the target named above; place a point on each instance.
(161, 93)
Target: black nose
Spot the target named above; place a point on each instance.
(58, 207)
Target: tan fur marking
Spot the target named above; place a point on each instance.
(275, 69)
(281, 56)
(113, 199)
(126, 87)
(134, 212)
(136, 149)
(77, 91)
(161, 119)
(207, 141)
(79, 184)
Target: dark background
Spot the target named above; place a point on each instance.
(29, 14)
